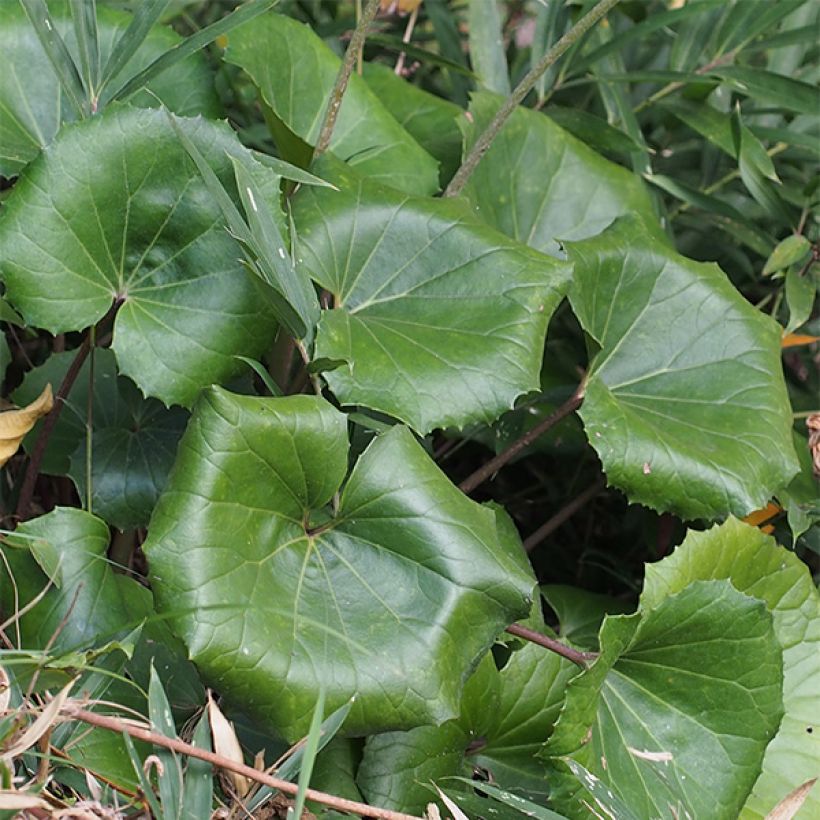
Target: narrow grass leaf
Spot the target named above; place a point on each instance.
(198, 791)
(514, 801)
(84, 16)
(162, 721)
(267, 379)
(145, 783)
(487, 46)
(291, 172)
(57, 53)
(44, 721)
(309, 756)
(192, 44)
(146, 15)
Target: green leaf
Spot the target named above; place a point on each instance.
(191, 44)
(57, 53)
(506, 717)
(275, 594)
(397, 267)
(198, 786)
(115, 212)
(430, 120)
(685, 402)
(757, 566)
(31, 109)
(675, 715)
(295, 72)
(134, 439)
(768, 87)
(540, 185)
(487, 52)
(335, 770)
(162, 722)
(789, 251)
(800, 498)
(800, 293)
(87, 594)
(514, 801)
(581, 612)
(310, 749)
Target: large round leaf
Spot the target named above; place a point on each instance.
(393, 598)
(685, 403)
(295, 72)
(32, 106)
(756, 565)
(114, 210)
(541, 185)
(438, 320)
(675, 715)
(133, 443)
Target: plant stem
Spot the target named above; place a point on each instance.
(343, 77)
(564, 514)
(339, 803)
(494, 464)
(575, 655)
(482, 144)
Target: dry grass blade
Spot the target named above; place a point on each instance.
(14, 424)
(41, 725)
(5, 690)
(792, 802)
(21, 801)
(227, 745)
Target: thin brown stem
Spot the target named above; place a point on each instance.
(564, 514)
(583, 659)
(485, 139)
(408, 33)
(495, 464)
(339, 803)
(343, 77)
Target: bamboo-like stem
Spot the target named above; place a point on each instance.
(583, 659)
(74, 712)
(485, 139)
(564, 514)
(494, 464)
(343, 77)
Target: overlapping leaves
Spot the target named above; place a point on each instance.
(392, 597)
(438, 319)
(114, 212)
(32, 106)
(685, 402)
(295, 72)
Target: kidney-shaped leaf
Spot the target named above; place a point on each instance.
(392, 598)
(539, 184)
(31, 104)
(115, 211)
(438, 320)
(675, 714)
(685, 403)
(756, 565)
(295, 72)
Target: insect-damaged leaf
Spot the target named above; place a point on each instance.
(392, 598)
(439, 320)
(685, 403)
(115, 210)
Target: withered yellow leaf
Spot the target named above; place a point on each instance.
(14, 424)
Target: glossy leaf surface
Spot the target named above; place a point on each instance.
(392, 598)
(685, 403)
(115, 211)
(756, 565)
(438, 320)
(32, 107)
(295, 72)
(675, 714)
(540, 185)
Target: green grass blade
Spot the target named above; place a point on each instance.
(487, 51)
(84, 17)
(291, 172)
(190, 45)
(57, 53)
(145, 16)
(162, 721)
(267, 379)
(145, 784)
(309, 756)
(198, 791)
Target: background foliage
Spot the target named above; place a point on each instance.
(281, 371)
